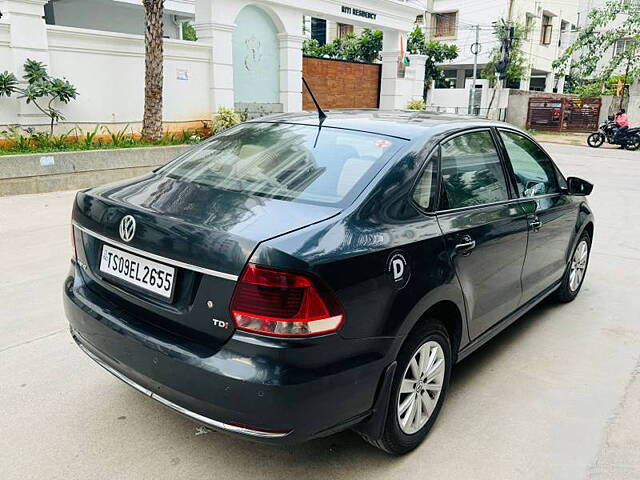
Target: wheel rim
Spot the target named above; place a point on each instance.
(421, 387)
(595, 140)
(578, 265)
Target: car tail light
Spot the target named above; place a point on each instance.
(283, 304)
(74, 251)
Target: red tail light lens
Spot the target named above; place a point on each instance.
(282, 304)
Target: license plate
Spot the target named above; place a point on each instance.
(146, 274)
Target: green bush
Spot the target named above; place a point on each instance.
(365, 47)
(226, 118)
(28, 140)
(189, 32)
(417, 104)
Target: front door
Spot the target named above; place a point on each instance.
(484, 227)
(552, 216)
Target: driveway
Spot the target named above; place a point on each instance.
(556, 396)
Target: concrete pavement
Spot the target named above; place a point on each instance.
(556, 396)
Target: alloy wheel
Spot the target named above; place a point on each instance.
(578, 265)
(421, 387)
(595, 140)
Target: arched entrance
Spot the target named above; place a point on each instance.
(256, 58)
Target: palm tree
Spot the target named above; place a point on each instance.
(152, 121)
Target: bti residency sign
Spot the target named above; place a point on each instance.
(358, 13)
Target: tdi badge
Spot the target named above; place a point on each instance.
(398, 270)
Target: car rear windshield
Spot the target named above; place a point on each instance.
(293, 162)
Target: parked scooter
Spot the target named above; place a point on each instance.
(607, 131)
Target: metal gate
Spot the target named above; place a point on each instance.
(563, 114)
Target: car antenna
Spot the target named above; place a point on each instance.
(321, 114)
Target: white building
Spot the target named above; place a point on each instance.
(247, 52)
(121, 16)
(551, 23)
(620, 44)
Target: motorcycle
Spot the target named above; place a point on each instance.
(607, 131)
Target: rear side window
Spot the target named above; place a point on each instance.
(287, 161)
(425, 191)
(534, 171)
(471, 171)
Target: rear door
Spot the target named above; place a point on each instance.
(484, 225)
(552, 216)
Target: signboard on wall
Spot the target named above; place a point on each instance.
(356, 12)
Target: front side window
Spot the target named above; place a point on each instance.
(534, 171)
(471, 171)
(287, 161)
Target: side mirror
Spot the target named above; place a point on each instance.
(578, 186)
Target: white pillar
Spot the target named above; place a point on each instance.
(417, 63)
(27, 40)
(390, 85)
(561, 80)
(214, 25)
(291, 71)
(549, 82)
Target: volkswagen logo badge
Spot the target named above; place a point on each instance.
(127, 228)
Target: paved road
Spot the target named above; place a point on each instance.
(556, 396)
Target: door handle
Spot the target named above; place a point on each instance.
(466, 247)
(535, 224)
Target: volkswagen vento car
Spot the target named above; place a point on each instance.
(290, 278)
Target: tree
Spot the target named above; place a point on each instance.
(41, 90)
(517, 66)
(436, 53)
(605, 26)
(153, 43)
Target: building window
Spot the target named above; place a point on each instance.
(622, 45)
(445, 24)
(547, 30)
(528, 26)
(319, 30)
(344, 30)
(564, 26)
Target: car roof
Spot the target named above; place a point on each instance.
(406, 124)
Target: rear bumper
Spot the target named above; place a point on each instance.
(267, 390)
(210, 422)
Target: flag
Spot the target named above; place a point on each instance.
(403, 57)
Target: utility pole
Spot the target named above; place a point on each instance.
(476, 50)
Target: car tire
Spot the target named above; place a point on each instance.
(578, 263)
(595, 140)
(432, 337)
